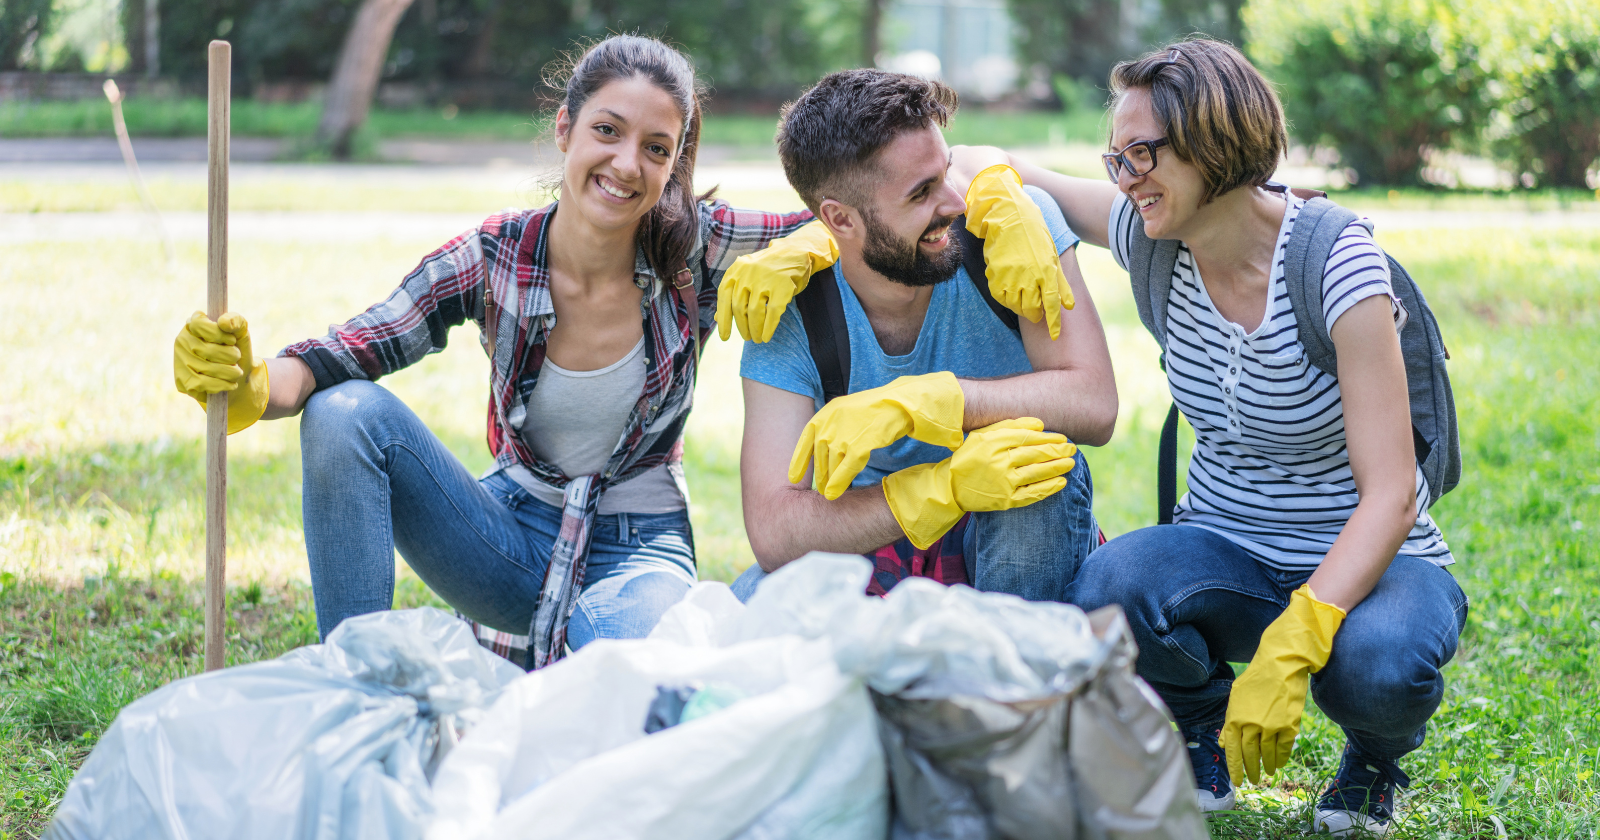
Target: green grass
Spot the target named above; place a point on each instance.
(187, 118)
(101, 523)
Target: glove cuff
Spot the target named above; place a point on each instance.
(923, 502)
(939, 421)
(249, 401)
(1309, 626)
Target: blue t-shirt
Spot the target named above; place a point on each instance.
(960, 334)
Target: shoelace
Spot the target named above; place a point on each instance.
(1205, 757)
(1365, 785)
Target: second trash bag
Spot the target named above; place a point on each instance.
(1001, 719)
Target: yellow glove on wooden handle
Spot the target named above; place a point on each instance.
(1265, 705)
(1023, 267)
(841, 436)
(758, 287)
(1006, 465)
(210, 357)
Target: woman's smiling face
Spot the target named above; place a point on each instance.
(1168, 196)
(620, 149)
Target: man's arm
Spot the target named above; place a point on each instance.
(1086, 202)
(1072, 387)
(783, 520)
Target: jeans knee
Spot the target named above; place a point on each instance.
(1385, 694)
(336, 418)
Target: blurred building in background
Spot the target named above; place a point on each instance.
(967, 44)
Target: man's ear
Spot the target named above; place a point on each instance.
(563, 128)
(843, 221)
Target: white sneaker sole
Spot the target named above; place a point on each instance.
(1209, 801)
(1349, 824)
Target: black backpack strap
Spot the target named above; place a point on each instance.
(822, 314)
(1316, 231)
(978, 272)
(1167, 468)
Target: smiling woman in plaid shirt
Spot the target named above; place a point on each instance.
(593, 317)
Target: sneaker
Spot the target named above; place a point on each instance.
(1362, 799)
(1213, 790)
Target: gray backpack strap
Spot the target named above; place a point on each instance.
(1316, 230)
(1150, 265)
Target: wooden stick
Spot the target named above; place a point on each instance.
(218, 89)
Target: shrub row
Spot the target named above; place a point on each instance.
(1385, 81)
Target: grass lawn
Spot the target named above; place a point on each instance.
(187, 118)
(101, 515)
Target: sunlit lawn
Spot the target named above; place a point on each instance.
(101, 499)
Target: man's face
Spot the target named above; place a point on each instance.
(909, 211)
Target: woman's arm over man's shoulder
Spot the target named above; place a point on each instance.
(1085, 202)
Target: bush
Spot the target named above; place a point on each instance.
(1382, 81)
(1546, 54)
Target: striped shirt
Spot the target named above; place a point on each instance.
(1270, 469)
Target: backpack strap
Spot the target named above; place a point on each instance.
(978, 272)
(1150, 266)
(822, 314)
(1316, 230)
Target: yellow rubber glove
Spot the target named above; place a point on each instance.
(1006, 465)
(1265, 704)
(210, 357)
(1023, 266)
(841, 436)
(758, 287)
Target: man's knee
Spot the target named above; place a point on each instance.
(1034, 551)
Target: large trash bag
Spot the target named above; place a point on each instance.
(705, 730)
(334, 741)
(1002, 719)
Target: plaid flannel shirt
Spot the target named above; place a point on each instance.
(508, 257)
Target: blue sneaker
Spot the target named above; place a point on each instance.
(1363, 797)
(1213, 790)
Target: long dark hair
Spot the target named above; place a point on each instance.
(668, 232)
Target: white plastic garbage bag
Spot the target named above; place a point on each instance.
(787, 749)
(333, 741)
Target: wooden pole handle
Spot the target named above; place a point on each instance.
(218, 90)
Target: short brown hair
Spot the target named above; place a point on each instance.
(830, 135)
(1217, 110)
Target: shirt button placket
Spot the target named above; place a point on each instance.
(1230, 380)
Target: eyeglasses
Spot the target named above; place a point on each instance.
(1138, 158)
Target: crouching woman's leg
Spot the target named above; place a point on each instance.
(1035, 551)
(640, 564)
(1383, 680)
(376, 479)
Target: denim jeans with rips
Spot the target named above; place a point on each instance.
(376, 479)
(1196, 602)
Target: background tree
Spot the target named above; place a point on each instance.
(355, 76)
(22, 24)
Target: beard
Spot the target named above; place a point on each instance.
(905, 262)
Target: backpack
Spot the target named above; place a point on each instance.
(822, 313)
(1434, 433)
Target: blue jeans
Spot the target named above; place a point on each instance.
(1034, 551)
(1196, 602)
(376, 479)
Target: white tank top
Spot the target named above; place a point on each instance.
(574, 420)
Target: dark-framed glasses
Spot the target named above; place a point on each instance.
(1138, 158)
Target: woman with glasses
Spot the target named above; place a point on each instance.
(1303, 545)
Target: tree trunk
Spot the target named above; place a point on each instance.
(871, 28)
(355, 76)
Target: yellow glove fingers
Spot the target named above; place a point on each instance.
(1065, 290)
(802, 452)
(774, 314)
(1030, 423)
(1250, 742)
(1283, 747)
(208, 330)
(724, 316)
(204, 354)
(1052, 306)
(847, 464)
(1042, 471)
(1028, 494)
(1233, 747)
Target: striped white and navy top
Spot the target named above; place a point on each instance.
(1270, 470)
